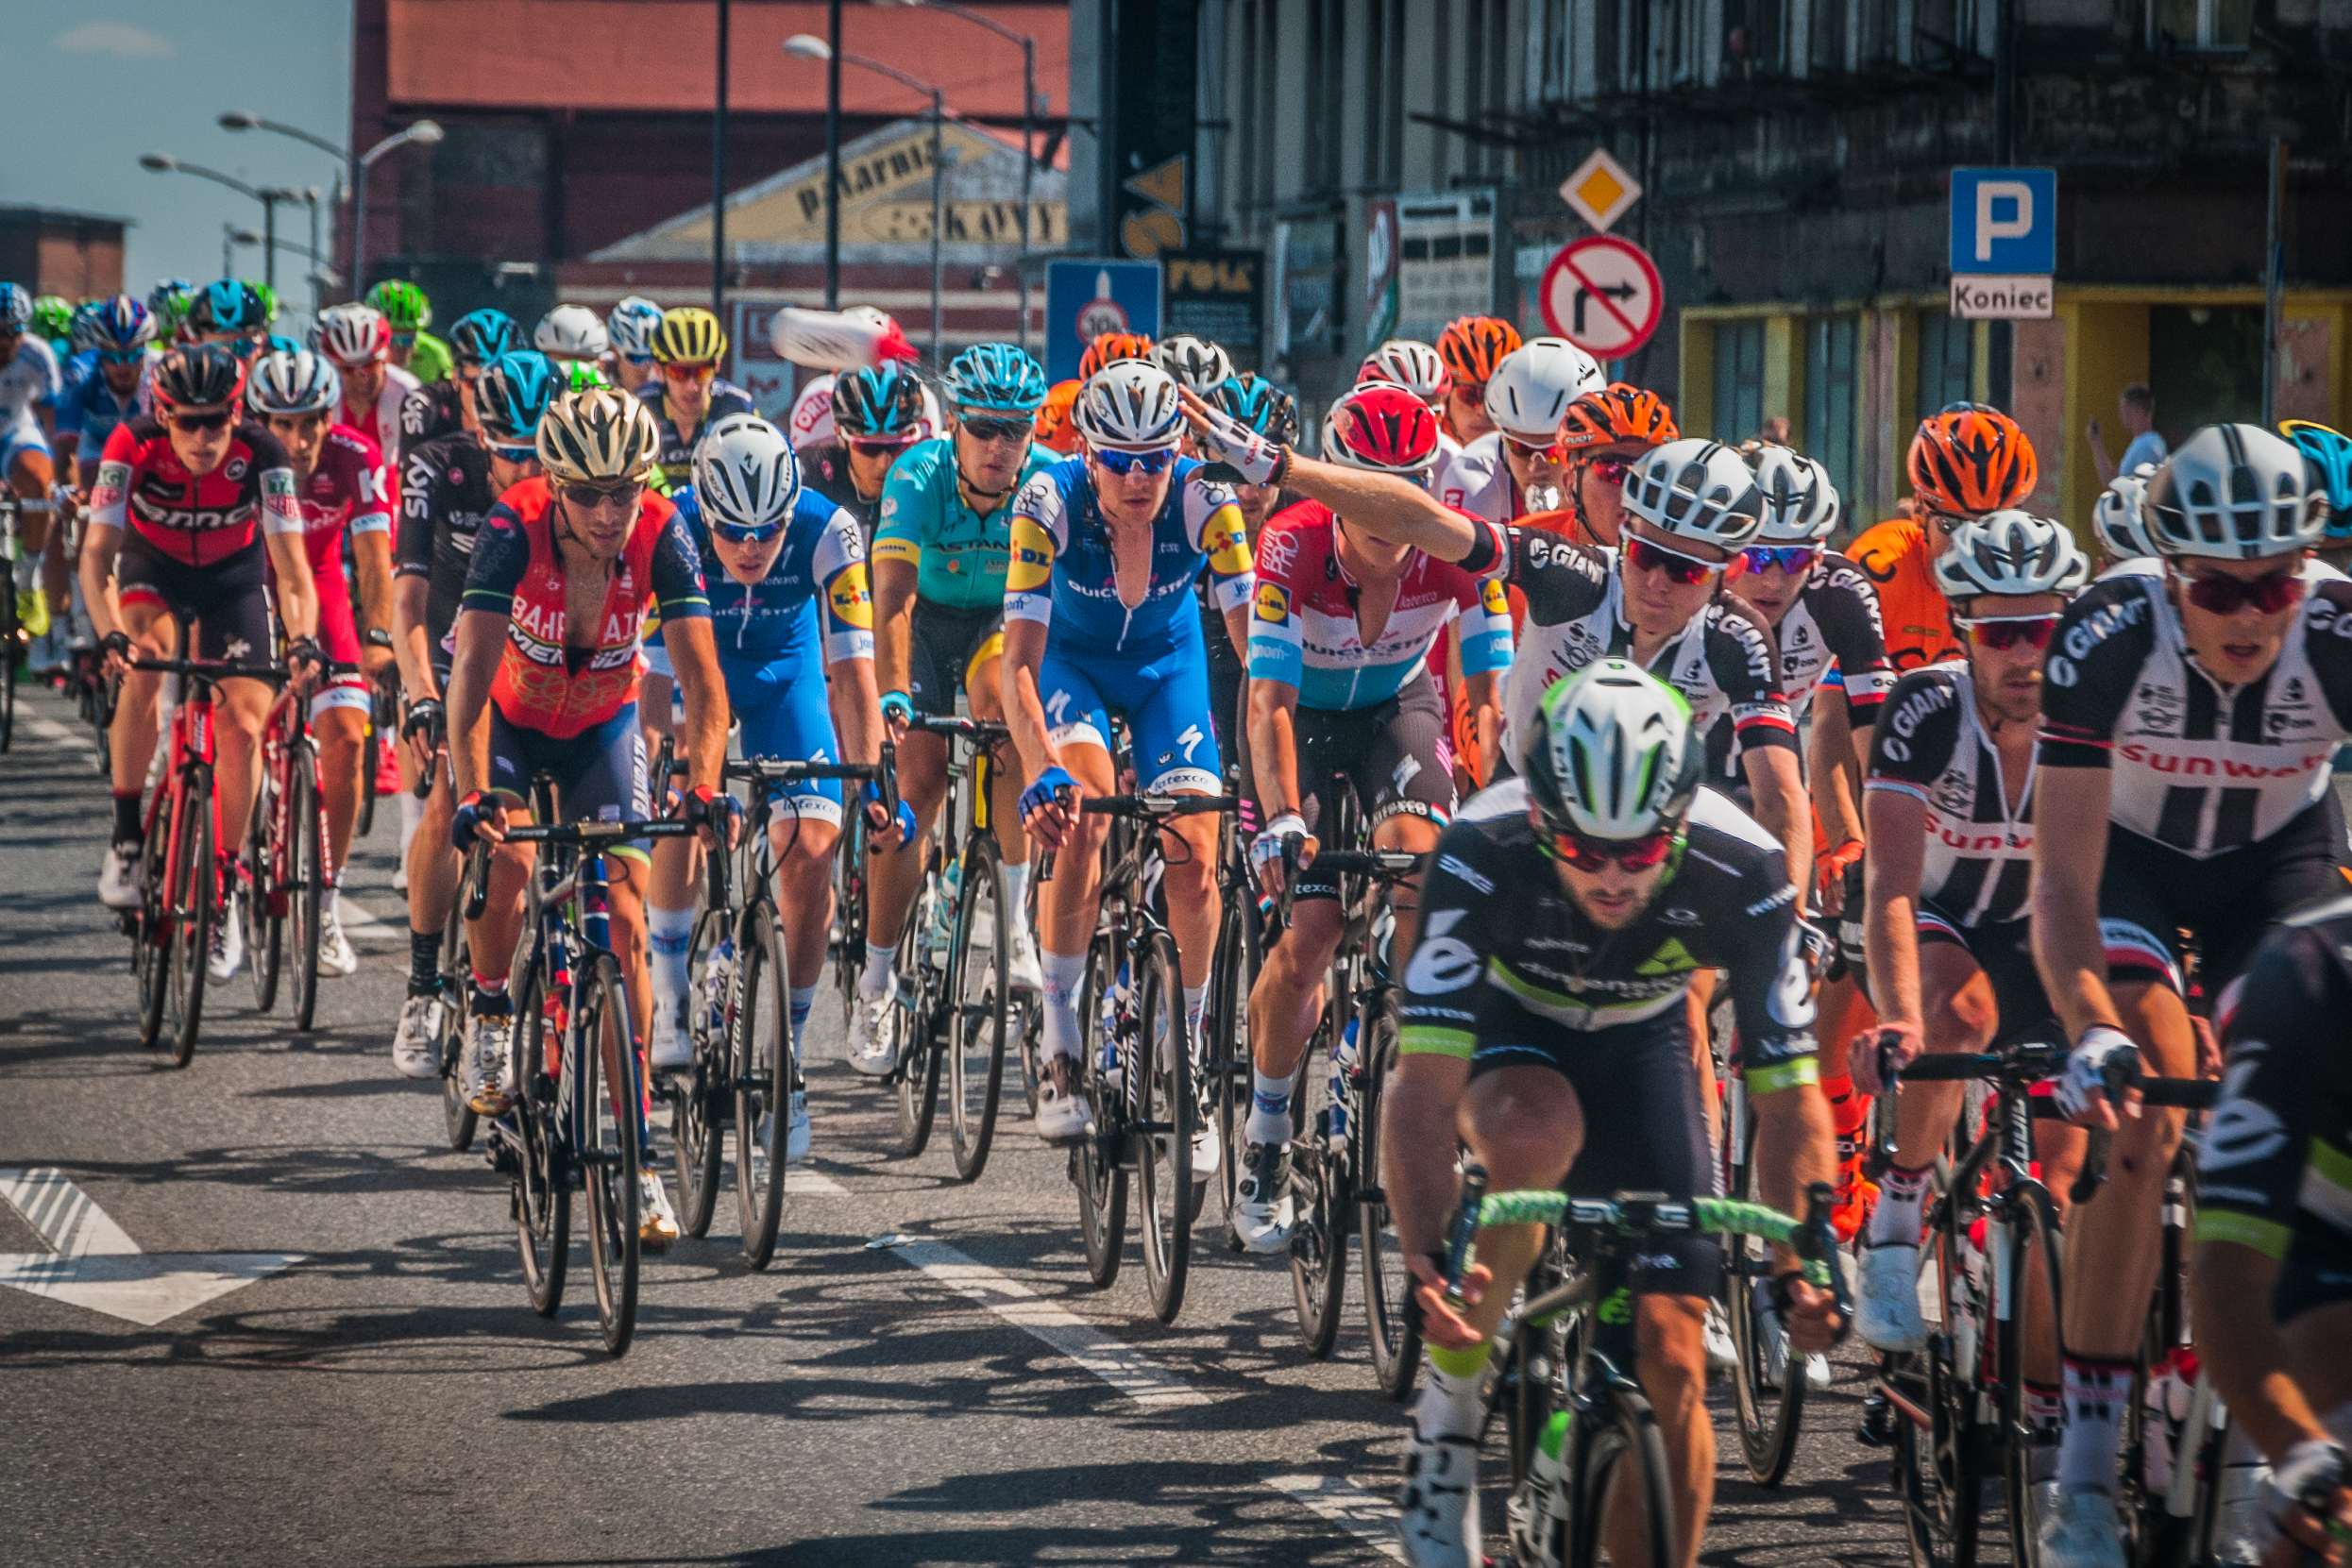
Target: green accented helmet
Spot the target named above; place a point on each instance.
(53, 315)
(1612, 753)
(404, 304)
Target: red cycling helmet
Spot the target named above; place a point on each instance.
(1383, 427)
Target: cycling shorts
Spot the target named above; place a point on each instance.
(599, 773)
(23, 437)
(779, 706)
(2004, 951)
(339, 638)
(2149, 893)
(1164, 699)
(2317, 1274)
(1394, 753)
(1228, 680)
(945, 649)
(1645, 1128)
(225, 597)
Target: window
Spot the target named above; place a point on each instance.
(1374, 142)
(1327, 41)
(1739, 379)
(1947, 367)
(1831, 373)
(1753, 40)
(2201, 24)
(1827, 48)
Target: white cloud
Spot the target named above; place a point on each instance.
(120, 38)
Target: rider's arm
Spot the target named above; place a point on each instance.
(296, 592)
(1272, 717)
(1897, 833)
(1740, 652)
(846, 613)
(371, 544)
(1771, 994)
(480, 636)
(897, 568)
(1481, 652)
(684, 605)
(1831, 766)
(1036, 524)
(411, 583)
(1386, 507)
(1223, 535)
(104, 521)
(1447, 1010)
(2070, 852)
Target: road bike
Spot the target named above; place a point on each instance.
(15, 648)
(285, 872)
(382, 740)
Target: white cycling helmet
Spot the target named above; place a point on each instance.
(286, 384)
(1196, 363)
(2234, 492)
(1612, 752)
(1800, 503)
(1129, 406)
(628, 327)
(1697, 490)
(571, 332)
(745, 474)
(597, 435)
(2117, 518)
(870, 315)
(1530, 390)
(352, 334)
(2010, 552)
(1410, 363)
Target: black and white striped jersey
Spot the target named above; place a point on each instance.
(1930, 744)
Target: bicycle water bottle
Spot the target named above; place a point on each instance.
(1543, 1506)
(718, 986)
(940, 931)
(1117, 1010)
(1342, 1084)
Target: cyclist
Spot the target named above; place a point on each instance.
(939, 562)
(691, 396)
(2329, 453)
(1544, 1016)
(1109, 349)
(1193, 363)
(187, 506)
(1518, 466)
(1472, 348)
(543, 680)
(1099, 620)
(229, 311)
(358, 340)
(28, 383)
(168, 302)
(1419, 369)
(2115, 517)
(442, 407)
(1605, 434)
(628, 327)
(574, 338)
(1339, 688)
(448, 483)
(1054, 432)
(1271, 411)
(116, 386)
(794, 623)
(2271, 1278)
(342, 486)
(2195, 714)
(53, 319)
(878, 414)
(414, 349)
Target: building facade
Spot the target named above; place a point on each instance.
(78, 255)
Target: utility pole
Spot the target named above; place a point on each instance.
(718, 177)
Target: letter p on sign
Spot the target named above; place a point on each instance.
(2005, 221)
(2005, 210)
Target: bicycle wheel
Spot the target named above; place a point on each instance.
(257, 896)
(979, 1008)
(1939, 1466)
(541, 1180)
(914, 1020)
(1165, 1115)
(2031, 1277)
(194, 884)
(701, 1097)
(760, 1058)
(1619, 1459)
(306, 879)
(1225, 1094)
(152, 929)
(607, 1127)
(459, 1119)
(1768, 1418)
(1391, 1322)
(101, 719)
(1095, 1163)
(849, 911)
(383, 721)
(11, 654)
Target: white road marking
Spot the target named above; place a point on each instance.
(61, 734)
(94, 1264)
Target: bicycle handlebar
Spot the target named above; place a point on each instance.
(1380, 864)
(974, 730)
(212, 669)
(1147, 807)
(594, 834)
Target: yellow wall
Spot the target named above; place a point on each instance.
(2106, 349)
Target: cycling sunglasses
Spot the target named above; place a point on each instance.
(1124, 463)
(189, 424)
(121, 356)
(688, 372)
(520, 452)
(404, 340)
(1539, 451)
(1791, 559)
(874, 446)
(593, 495)
(1611, 471)
(2223, 595)
(2002, 632)
(995, 430)
(1595, 855)
(1678, 568)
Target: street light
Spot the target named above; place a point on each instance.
(1028, 130)
(231, 237)
(245, 119)
(809, 46)
(424, 133)
(269, 196)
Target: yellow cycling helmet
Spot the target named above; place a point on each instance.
(689, 335)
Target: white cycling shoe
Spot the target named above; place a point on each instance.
(872, 1045)
(1027, 975)
(118, 877)
(1887, 1305)
(228, 955)
(1061, 1110)
(2078, 1528)
(335, 957)
(1262, 1201)
(413, 1052)
(1722, 1355)
(1437, 1503)
(487, 1066)
(672, 1049)
(657, 1222)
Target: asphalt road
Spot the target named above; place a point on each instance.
(958, 1396)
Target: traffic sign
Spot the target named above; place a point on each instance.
(2005, 221)
(1601, 192)
(1085, 298)
(1604, 294)
(1981, 296)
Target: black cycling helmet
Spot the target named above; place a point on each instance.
(480, 336)
(879, 403)
(1259, 404)
(200, 376)
(228, 306)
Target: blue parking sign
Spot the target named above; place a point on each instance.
(2005, 221)
(1085, 298)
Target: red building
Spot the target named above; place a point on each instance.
(78, 255)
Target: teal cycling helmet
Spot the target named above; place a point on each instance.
(2328, 453)
(515, 393)
(480, 336)
(1259, 404)
(230, 305)
(882, 402)
(994, 378)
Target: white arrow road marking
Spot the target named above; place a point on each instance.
(94, 1264)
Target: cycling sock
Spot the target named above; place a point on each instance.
(1269, 1108)
(127, 829)
(801, 998)
(1902, 1194)
(669, 933)
(1065, 974)
(1195, 1002)
(1453, 1405)
(424, 962)
(490, 996)
(330, 896)
(875, 978)
(412, 813)
(2095, 1395)
(1017, 889)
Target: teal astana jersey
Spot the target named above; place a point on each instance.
(959, 556)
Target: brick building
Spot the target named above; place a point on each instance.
(78, 255)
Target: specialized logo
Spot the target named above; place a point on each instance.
(1443, 962)
(2242, 1131)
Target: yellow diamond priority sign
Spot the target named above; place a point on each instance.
(1601, 192)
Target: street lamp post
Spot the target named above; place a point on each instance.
(231, 237)
(424, 133)
(269, 196)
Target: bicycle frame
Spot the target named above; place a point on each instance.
(284, 732)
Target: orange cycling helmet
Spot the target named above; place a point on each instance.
(1619, 414)
(1108, 348)
(1054, 430)
(1968, 459)
(1472, 346)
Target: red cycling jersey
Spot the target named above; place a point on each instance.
(348, 491)
(195, 519)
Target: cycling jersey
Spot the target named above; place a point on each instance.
(677, 458)
(1063, 572)
(431, 412)
(825, 468)
(197, 519)
(1930, 744)
(958, 554)
(28, 380)
(382, 418)
(429, 359)
(1895, 557)
(1477, 479)
(1304, 631)
(777, 618)
(348, 491)
(1836, 622)
(545, 682)
(446, 492)
(89, 411)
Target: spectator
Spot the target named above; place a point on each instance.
(2138, 407)
(1775, 431)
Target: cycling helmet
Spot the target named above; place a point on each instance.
(1110, 347)
(228, 306)
(1383, 427)
(994, 378)
(199, 375)
(168, 300)
(1697, 490)
(1619, 414)
(1968, 459)
(2010, 552)
(1259, 404)
(1473, 346)
(480, 336)
(2116, 518)
(289, 384)
(583, 375)
(53, 315)
(1800, 503)
(1054, 429)
(352, 334)
(881, 402)
(2329, 454)
(871, 315)
(278, 342)
(629, 327)
(403, 303)
(1196, 363)
(513, 395)
(571, 332)
(1130, 406)
(266, 297)
(1612, 753)
(689, 335)
(598, 436)
(1410, 363)
(745, 476)
(1530, 392)
(16, 307)
(82, 332)
(2234, 492)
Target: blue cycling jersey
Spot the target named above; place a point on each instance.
(89, 409)
(1062, 573)
(777, 618)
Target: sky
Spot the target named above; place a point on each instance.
(94, 84)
